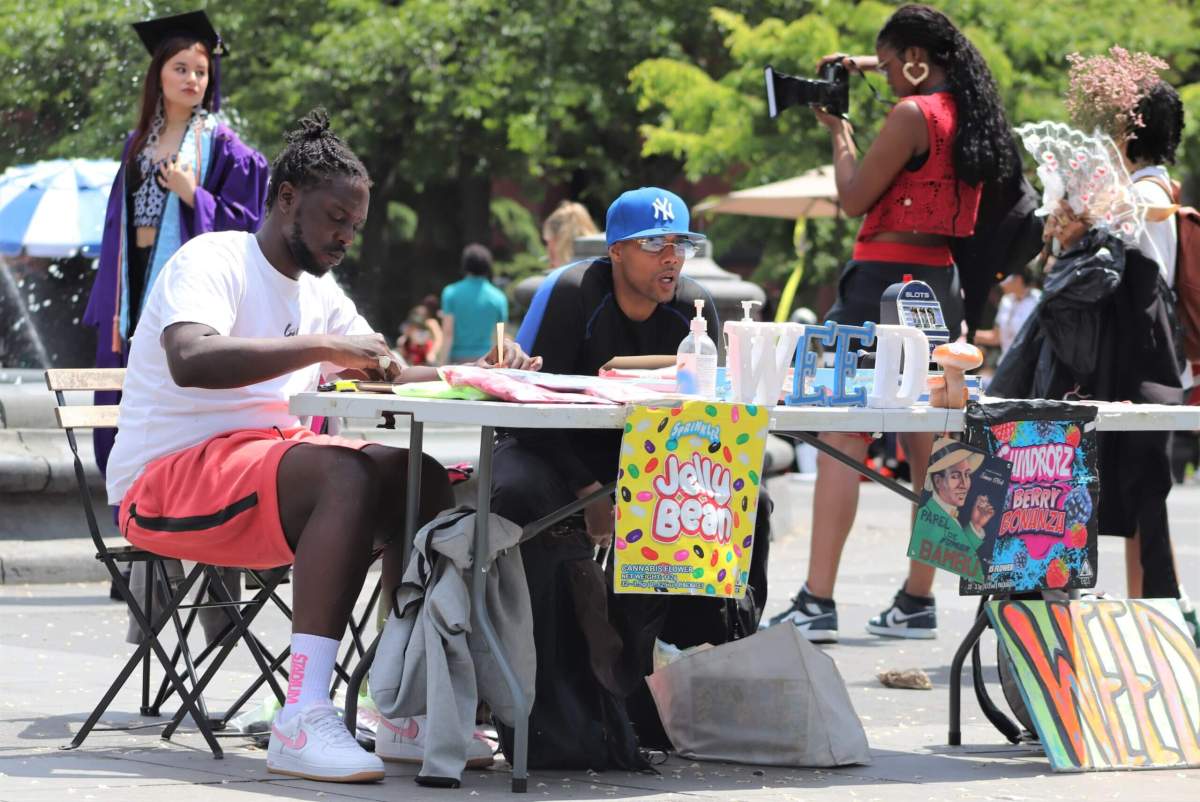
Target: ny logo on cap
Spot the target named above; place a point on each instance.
(663, 210)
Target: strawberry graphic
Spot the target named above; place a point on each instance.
(1057, 573)
(1076, 536)
(1073, 436)
(1004, 431)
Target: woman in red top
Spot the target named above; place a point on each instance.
(918, 185)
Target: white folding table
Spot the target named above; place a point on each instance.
(801, 421)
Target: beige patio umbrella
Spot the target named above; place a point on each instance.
(813, 194)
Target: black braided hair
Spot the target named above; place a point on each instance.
(1161, 111)
(983, 142)
(313, 154)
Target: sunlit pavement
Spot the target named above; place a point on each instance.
(61, 644)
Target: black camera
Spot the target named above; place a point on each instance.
(830, 91)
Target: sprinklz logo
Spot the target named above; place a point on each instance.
(705, 431)
(663, 210)
(1041, 463)
(693, 500)
(296, 678)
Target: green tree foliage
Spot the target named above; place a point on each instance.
(715, 122)
(580, 98)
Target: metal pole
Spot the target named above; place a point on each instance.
(479, 604)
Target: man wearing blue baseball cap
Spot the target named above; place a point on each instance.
(634, 301)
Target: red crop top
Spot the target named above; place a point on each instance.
(928, 200)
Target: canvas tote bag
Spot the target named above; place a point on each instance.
(771, 699)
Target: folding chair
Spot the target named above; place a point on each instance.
(150, 621)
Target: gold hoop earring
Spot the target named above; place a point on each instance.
(915, 81)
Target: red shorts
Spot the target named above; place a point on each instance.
(217, 502)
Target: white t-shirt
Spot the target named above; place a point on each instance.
(1159, 241)
(221, 280)
(1011, 316)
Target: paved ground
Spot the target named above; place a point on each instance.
(61, 644)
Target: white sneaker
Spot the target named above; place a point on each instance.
(315, 745)
(402, 740)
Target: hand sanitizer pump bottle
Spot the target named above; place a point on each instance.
(696, 360)
(739, 355)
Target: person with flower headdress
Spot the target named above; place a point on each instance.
(183, 173)
(1121, 94)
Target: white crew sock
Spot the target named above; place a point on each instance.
(311, 673)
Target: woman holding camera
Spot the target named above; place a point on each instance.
(918, 185)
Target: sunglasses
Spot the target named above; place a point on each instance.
(684, 248)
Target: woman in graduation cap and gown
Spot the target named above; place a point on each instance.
(183, 173)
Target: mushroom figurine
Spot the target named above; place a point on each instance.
(949, 389)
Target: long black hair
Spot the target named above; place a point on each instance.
(983, 142)
(313, 154)
(1161, 111)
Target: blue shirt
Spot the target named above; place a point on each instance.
(477, 306)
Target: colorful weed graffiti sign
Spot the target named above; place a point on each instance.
(687, 498)
(1046, 533)
(1109, 683)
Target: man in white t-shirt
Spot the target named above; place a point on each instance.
(205, 465)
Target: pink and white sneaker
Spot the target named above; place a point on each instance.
(315, 745)
(402, 740)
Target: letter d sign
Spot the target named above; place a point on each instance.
(891, 390)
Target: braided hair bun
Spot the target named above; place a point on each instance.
(313, 154)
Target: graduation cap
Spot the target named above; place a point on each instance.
(196, 24)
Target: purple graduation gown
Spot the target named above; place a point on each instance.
(232, 198)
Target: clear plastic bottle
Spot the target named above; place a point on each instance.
(696, 360)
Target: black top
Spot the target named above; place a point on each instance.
(576, 326)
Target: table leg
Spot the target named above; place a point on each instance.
(960, 656)
(479, 604)
(416, 432)
(416, 437)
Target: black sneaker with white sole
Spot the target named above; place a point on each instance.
(908, 617)
(815, 618)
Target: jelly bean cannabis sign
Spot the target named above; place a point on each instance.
(687, 498)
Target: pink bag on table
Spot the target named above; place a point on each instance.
(507, 388)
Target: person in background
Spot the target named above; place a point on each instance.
(1019, 300)
(918, 186)
(1135, 468)
(420, 339)
(183, 172)
(568, 221)
(471, 308)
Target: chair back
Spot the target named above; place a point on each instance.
(72, 416)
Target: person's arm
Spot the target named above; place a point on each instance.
(435, 331)
(199, 356)
(447, 338)
(987, 337)
(860, 185)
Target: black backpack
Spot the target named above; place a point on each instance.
(579, 720)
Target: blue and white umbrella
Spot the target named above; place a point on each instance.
(55, 208)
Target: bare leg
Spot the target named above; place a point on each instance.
(1133, 566)
(917, 446)
(835, 503)
(328, 497)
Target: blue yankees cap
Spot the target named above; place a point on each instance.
(647, 212)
